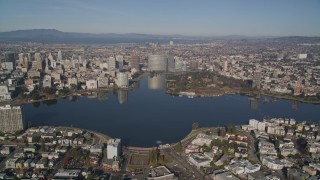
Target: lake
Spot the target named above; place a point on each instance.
(146, 114)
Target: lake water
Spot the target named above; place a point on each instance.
(146, 114)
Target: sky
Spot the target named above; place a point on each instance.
(165, 17)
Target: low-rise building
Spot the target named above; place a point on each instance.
(272, 162)
(160, 173)
(199, 159)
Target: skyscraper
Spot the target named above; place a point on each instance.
(21, 58)
(38, 61)
(256, 80)
(135, 62)
(119, 59)
(157, 62)
(123, 81)
(59, 55)
(9, 57)
(171, 64)
(111, 64)
(225, 66)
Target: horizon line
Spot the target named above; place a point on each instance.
(174, 34)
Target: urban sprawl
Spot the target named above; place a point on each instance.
(271, 148)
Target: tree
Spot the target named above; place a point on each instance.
(43, 146)
(178, 147)
(195, 125)
(73, 87)
(152, 156)
(35, 96)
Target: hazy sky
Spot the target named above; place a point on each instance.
(186, 17)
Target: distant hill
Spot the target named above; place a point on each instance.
(56, 36)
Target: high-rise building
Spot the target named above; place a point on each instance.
(113, 148)
(135, 62)
(21, 58)
(119, 59)
(171, 64)
(9, 57)
(37, 61)
(111, 63)
(225, 66)
(157, 62)
(122, 80)
(256, 80)
(59, 55)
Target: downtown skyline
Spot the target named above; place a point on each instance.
(204, 18)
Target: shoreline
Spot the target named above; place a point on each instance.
(20, 102)
(248, 94)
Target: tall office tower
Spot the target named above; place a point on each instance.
(59, 55)
(50, 57)
(9, 57)
(21, 58)
(171, 64)
(171, 43)
(119, 59)
(157, 82)
(111, 63)
(256, 80)
(225, 66)
(123, 81)
(29, 56)
(38, 61)
(73, 63)
(37, 56)
(135, 62)
(47, 64)
(157, 62)
(80, 59)
(10, 119)
(73, 57)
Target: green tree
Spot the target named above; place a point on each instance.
(73, 87)
(43, 146)
(178, 147)
(35, 96)
(195, 125)
(152, 156)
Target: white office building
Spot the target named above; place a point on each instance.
(113, 148)
(122, 80)
(111, 63)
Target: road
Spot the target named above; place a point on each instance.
(252, 156)
(181, 160)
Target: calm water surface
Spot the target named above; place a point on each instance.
(145, 115)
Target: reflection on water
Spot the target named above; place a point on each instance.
(157, 82)
(122, 95)
(148, 116)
